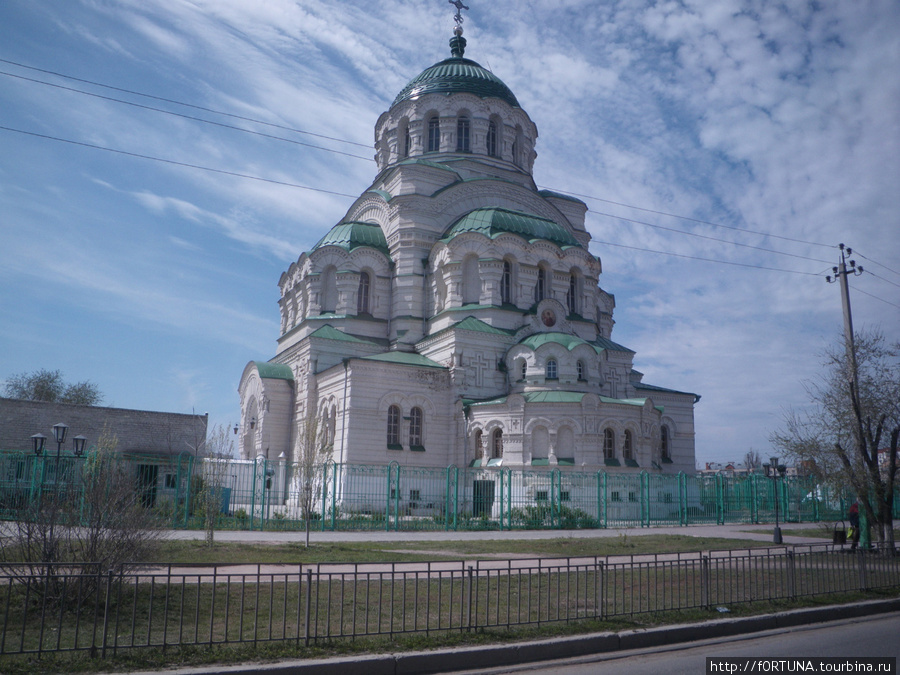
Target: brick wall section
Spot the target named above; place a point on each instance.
(140, 431)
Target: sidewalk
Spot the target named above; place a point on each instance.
(745, 531)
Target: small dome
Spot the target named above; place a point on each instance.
(457, 75)
(349, 236)
(494, 222)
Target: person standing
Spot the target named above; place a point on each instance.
(853, 517)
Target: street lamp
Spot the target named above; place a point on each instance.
(59, 430)
(773, 469)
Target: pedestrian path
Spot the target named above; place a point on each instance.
(745, 531)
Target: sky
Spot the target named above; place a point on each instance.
(162, 162)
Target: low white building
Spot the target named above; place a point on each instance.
(454, 315)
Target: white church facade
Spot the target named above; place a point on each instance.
(454, 315)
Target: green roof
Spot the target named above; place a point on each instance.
(609, 345)
(404, 358)
(470, 323)
(457, 75)
(650, 387)
(329, 332)
(570, 342)
(554, 396)
(494, 222)
(352, 235)
(274, 371)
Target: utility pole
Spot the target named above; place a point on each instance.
(841, 273)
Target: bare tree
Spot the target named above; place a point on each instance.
(219, 451)
(313, 450)
(752, 460)
(49, 385)
(846, 426)
(89, 513)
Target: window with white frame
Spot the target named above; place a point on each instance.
(393, 426)
(552, 370)
(609, 444)
(415, 428)
(362, 297)
(434, 134)
(462, 135)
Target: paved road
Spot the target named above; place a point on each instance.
(869, 636)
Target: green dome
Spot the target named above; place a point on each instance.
(352, 235)
(457, 75)
(494, 222)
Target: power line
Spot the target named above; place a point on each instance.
(871, 273)
(693, 220)
(177, 163)
(887, 302)
(875, 262)
(704, 236)
(711, 260)
(342, 194)
(183, 116)
(187, 105)
(340, 140)
(261, 134)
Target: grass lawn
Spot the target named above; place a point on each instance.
(194, 552)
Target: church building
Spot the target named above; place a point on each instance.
(454, 317)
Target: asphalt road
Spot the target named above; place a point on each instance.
(868, 636)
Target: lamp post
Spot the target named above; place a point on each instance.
(59, 432)
(773, 469)
(38, 441)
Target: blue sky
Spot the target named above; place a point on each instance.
(760, 134)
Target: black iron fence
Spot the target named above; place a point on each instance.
(45, 609)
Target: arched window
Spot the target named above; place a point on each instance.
(492, 140)
(497, 444)
(664, 450)
(393, 426)
(572, 295)
(404, 144)
(524, 369)
(540, 288)
(328, 424)
(479, 444)
(434, 134)
(329, 291)
(462, 135)
(506, 284)
(552, 369)
(518, 147)
(362, 297)
(609, 443)
(415, 428)
(579, 367)
(627, 447)
(471, 291)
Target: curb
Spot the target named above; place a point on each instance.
(491, 656)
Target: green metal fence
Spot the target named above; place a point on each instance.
(265, 494)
